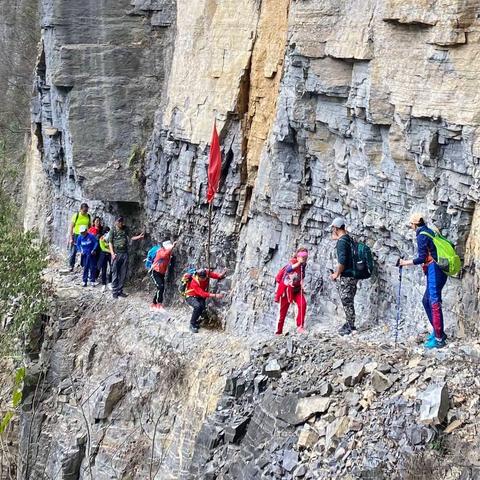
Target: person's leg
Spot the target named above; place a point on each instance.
(282, 313)
(161, 287)
(301, 302)
(85, 269)
(102, 266)
(109, 267)
(92, 267)
(347, 288)
(426, 303)
(115, 276)
(436, 281)
(158, 282)
(73, 253)
(198, 305)
(123, 272)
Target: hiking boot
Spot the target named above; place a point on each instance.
(434, 343)
(278, 334)
(345, 329)
(110, 286)
(104, 288)
(93, 284)
(193, 329)
(156, 307)
(431, 336)
(301, 330)
(123, 295)
(84, 284)
(115, 296)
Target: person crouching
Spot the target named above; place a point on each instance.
(197, 292)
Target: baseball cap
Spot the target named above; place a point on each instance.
(338, 222)
(167, 245)
(416, 218)
(83, 228)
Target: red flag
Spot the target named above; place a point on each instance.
(214, 165)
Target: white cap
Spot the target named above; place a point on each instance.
(338, 222)
(167, 245)
(83, 228)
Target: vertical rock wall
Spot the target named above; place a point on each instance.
(363, 109)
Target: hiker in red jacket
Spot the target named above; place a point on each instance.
(158, 272)
(290, 289)
(197, 292)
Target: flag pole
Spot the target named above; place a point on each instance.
(209, 233)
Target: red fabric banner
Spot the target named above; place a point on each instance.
(214, 165)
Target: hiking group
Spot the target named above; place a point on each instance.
(106, 250)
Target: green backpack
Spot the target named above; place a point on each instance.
(447, 258)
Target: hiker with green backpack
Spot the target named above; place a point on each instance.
(355, 263)
(439, 260)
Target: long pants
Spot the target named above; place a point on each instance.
(432, 298)
(73, 252)
(89, 267)
(285, 302)
(198, 304)
(347, 289)
(104, 263)
(159, 281)
(119, 272)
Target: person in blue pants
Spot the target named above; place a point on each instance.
(436, 279)
(87, 244)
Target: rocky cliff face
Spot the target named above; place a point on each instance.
(362, 109)
(366, 109)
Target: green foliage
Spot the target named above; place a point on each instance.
(135, 162)
(22, 296)
(5, 421)
(16, 398)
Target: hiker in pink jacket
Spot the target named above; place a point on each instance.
(290, 289)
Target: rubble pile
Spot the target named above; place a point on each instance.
(323, 408)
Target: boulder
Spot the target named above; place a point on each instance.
(307, 438)
(352, 373)
(380, 382)
(272, 369)
(296, 411)
(434, 408)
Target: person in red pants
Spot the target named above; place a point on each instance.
(290, 289)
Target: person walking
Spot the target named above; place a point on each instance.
(105, 259)
(82, 217)
(343, 274)
(87, 245)
(435, 279)
(158, 272)
(118, 244)
(196, 293)
(290, 289)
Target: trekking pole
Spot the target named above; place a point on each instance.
(400, 271)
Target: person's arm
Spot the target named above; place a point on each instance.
(140, 236)
(95, 244)
(217, 276)
(78, 244)
(200, 292)
(422, 244)
(342, 254)
(110, 246)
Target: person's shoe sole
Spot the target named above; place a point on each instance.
(193, 329)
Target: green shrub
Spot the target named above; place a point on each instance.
(22, 296)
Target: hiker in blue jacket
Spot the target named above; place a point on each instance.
(436, 279)
(87, 244)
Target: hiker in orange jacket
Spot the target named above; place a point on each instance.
(158, 272)
(197, 292)
(290, 289)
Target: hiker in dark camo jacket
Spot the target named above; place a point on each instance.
(343, 275)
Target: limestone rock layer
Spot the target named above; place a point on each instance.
(366, 109)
